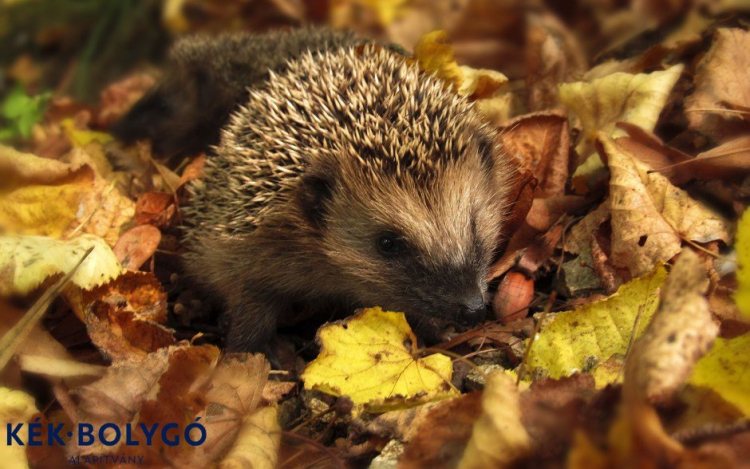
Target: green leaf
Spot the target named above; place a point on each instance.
(20, 112)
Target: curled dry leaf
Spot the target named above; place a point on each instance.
(137, 245)
(27, 261)
(721, 86)
(365, 358)
(540, 142)
(439, 437)
(680, 332)
(604, 102)
(124, 317)
(498, 438)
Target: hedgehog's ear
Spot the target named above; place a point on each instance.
(314, 192)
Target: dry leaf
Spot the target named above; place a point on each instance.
(540, 142)
(602, 103)
(650, 217)
(680, 332)
(498, 438)
(257, 442)
(16, 407)
(721, 85)
(137, 245)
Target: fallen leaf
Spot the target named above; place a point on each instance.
(27, 261)
(435, 55)
(498, 438)
(577, 340)
(137, 245)
(619, 97)
(365, 358)
(438, 437)
(16, 407)
(742, 245)
(540, 141)
(82, 137)
(720, 86)
(257, 442)
(155, 208)
(650, 217)
(125, 316)
(724, 370)
(680, 332)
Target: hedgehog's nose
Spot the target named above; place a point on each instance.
(472, 310)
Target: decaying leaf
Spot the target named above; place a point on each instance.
(125, 316)
(604, 102)
(650, 217)
(680, 332)
(137, 245)
(721, 85)
(27, 261)
(577, 340)
(540, 142)
(16, 407)
(498, 438)
(366, 358)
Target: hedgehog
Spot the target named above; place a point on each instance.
(207, 78)
(349, 179)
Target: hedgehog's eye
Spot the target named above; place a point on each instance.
(390, 244)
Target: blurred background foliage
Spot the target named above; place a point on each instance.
(76, 48)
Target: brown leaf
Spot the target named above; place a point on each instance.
(155, 208)
(721, 84)
(553, 56)
(649, 216)
(540, 142)
(513, 297)
(137, 245)
(442, 434)
(124, 316)
(117, 98)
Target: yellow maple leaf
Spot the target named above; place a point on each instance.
(26, 261)
(579, 339)
(618, 97)
(364, 358)
(742, 245)
(16, 407)
(724, 369)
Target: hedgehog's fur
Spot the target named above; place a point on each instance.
(207, 78)
(320, 162)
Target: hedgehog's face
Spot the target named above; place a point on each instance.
(422, 248)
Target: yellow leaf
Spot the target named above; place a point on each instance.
(742, 245)
(257, 443)
(80, 138)
(724, 369)
(26, 261)
(365, 358)
(619, 97)
(15, 407)
(498, 438)
(576, 340)
(435, 54)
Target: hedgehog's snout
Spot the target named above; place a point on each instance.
(471, 309)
